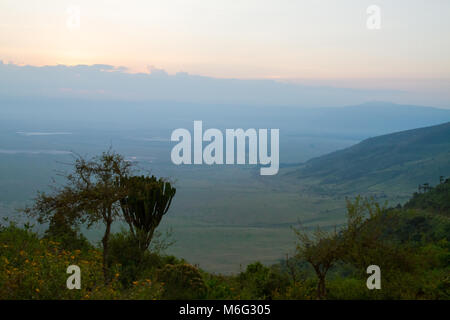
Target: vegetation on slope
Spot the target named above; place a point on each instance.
(410, 244)
(399, 160)
(412, 250)
(436, 199)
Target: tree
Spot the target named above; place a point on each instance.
(362, 236)
(322, 250)
(357, 243)
(92, 193)
(147, 201)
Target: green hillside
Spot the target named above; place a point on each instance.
(436, 199)
(390, 164)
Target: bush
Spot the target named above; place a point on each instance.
(182, 281)
(33, 268)
(260, 282)
(304, 290)
(59, 230)
(221, 287)
(348, 289)
(133, 263)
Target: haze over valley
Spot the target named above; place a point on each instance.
(220, 212)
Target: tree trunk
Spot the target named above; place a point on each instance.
(321, 289)
(105, 241)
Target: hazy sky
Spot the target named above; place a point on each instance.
(227, 38)
(315, 40)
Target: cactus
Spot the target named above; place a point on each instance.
(148, 200)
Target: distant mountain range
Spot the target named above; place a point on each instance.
(353, 122)
(393, 163)
(109, 83)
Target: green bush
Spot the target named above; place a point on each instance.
(347, 289)
(134, 264)
(70, 238)
(300, 290)
(260, 282)
(181, 281)
(221, 287)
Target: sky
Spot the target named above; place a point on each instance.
(308, 42)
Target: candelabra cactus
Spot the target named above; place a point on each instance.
(148, 200)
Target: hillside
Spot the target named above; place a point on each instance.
(396, 163)
(434, 199)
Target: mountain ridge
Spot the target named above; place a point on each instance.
(400, 160)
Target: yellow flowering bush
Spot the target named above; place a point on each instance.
(33, 268)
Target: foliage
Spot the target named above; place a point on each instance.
(33, 268)
(434, 199)
(92, 193)
(182, 281)
(68, 236)
(403, 243)
(260, 282)
(411, 244)
(221, 287)
(322, 250)
(148, 199)
(133, 263)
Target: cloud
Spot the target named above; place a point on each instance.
(102, 81)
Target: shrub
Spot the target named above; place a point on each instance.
(221, 287)
(59, 230)
(134, 264)
(304, 290)
(260, 282)
(33, 268)
(181, 281)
